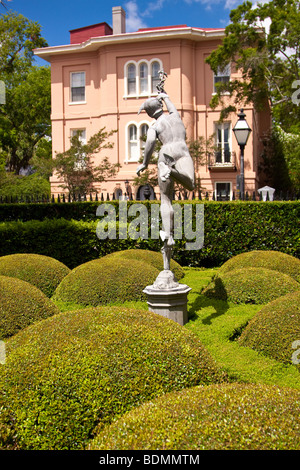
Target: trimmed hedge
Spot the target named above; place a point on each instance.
(251, 285)
(106, 280)
(77, 370)
(274, 260)
(216, 417)
(273, 330)
(21, 304)
(230, 228)
(151, 257)
(43, 272)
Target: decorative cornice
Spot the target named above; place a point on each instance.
(93, 44)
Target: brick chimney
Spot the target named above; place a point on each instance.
(119, 20)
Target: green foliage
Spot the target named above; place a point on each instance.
(230, 228)
(106, 280)
(251, 285)
(21, 304)
(18, 37)
(218, 324)
(43, 272)
(25, 117)
(268, 259)
(41, 161)
(280, 160)
(151, 257)
(274, 328)
(16, 186)
(217, 417)
(268, 61)
(76, 168)
(75, 371)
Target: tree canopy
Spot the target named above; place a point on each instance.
(75, 167)
(25, 111)
(263, 43)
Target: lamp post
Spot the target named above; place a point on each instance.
(242, 131)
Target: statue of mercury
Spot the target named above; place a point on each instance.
(174, 162)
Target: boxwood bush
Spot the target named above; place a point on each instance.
(153, 258)
(67, 232)
(251, 285)
(77, 370)
(268, 259)
(273, 330)
(216, 417)
(43, 272)
(106, 280)
(20, 305)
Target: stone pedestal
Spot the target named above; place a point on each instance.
(168, 298)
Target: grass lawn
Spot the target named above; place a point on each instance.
(218, 324)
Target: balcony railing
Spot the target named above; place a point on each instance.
(222, 159)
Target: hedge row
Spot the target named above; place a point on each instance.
(229, 229)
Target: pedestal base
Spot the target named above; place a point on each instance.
(168, 298)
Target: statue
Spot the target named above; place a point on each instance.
(174, 162)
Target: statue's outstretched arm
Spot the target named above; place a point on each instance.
(170, 106)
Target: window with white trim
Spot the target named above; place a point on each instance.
(222, 75)
(80, 165)
(77, 81)
(131, 79)
(223, 143)
(136, 143)
(223, 191)
(141, 77)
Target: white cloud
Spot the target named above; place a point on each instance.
(134, 20)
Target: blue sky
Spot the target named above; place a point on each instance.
(57, 17)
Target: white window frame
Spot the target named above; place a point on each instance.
(222, 75)
(223, 182)
(222, 127)
(138, 93)
(71, 102)
(79, 166)
(140, 146)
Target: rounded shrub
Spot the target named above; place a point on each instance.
(41, 271)
(251, 285)
(275, 328)
(153, 258)
(268, 259)
(106, 280)
(75, 371)
(216, 417)
(21, 304)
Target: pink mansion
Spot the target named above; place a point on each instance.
(104, 75)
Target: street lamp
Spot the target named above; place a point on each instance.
(242, 131)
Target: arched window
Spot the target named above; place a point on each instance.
(143, 133)
(143, 78)
(133, 153)
(131, 79)
(155, 67)
(135, 140)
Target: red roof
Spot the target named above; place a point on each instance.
(79, 35)
(177, 27)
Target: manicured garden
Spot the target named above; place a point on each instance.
(94, 369)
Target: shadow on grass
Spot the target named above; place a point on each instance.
(215, 296)
(201, 302)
